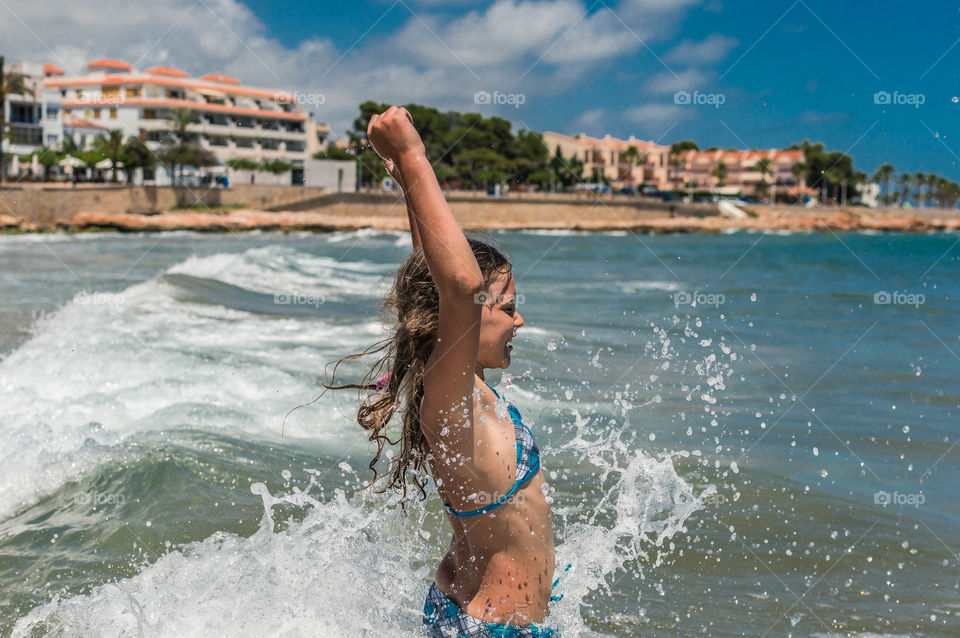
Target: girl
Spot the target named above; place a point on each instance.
(455, 300)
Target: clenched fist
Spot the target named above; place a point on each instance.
(393, 135)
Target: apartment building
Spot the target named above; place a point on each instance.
(610, 160)
(34, 119)
(232, 120)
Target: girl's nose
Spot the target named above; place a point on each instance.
(518, 320)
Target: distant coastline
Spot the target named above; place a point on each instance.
(292, 208)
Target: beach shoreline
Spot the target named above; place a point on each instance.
(347, 212)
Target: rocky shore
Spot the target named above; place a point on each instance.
(511, 215)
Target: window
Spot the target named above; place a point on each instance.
(133, 91)
(53, 140)
(113, 114)
(52, 111)
(96, 114)
(23, 113)
(149, 114)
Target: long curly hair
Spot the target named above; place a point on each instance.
(414, 302)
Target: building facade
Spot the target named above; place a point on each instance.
(34, 119)
(726, 172)
(231, 120)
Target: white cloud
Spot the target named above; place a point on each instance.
(654, 119)
(496, 46)
(590, 122)
(709, 51)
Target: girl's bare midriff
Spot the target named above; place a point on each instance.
(500, 564)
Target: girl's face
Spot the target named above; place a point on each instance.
(499, 321)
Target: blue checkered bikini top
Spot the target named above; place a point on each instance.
(528, 462)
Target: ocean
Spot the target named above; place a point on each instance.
(743, 434)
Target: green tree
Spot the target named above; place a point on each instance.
(632, 157)
(277, 167)
(134, 155)
(334, 153)
(763, 167)
(904, 182)
(720, 172)
(567, 171)
(883, 175)
(110, 147)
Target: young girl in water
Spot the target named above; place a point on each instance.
(456, 315)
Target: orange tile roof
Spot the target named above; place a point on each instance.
(222, 79)
(167, 81)
(196, 106)
(52, 69)
(165, 70)
(77, 122)
(115, 64)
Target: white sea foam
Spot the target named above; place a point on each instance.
(105, 367)
(360, 567)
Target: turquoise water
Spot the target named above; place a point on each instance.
(740, 437)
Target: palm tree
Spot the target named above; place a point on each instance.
(10, 83)
(630, 156)
(110, 147)
(919, 180)
(136, 155)
(720, 172)
(763, 166)
(799, 171)
(883, 175)
(904, 183)
(180, 119)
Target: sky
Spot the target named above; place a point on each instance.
(878, 80)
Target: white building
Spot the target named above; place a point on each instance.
(232, 121)
(33, 121)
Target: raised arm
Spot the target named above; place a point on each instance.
(449, 373)
(395, 174)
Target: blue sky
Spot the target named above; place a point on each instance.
(784, 71)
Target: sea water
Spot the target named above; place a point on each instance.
(742, 434)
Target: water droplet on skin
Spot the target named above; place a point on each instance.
(753, 296)
(906, 429)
